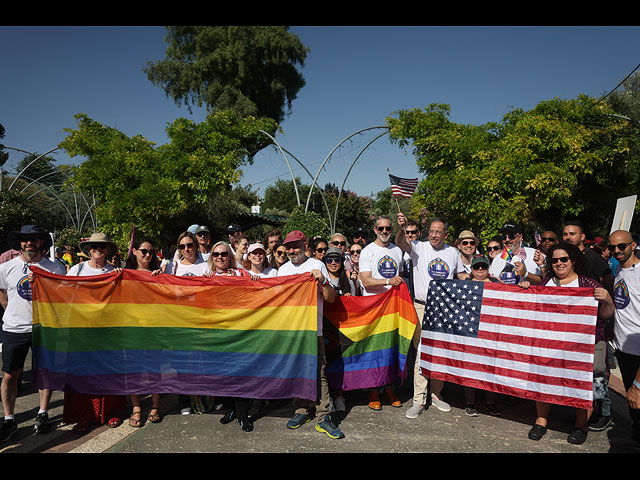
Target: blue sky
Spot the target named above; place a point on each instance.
(355, 78)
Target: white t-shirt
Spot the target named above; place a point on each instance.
(18, 316)
(552, 283)
(431, 264)
(382, 262)
(309, 264)
(626, 296)
(85, 270)
(502, 270)
(266, 273)
(197, 269)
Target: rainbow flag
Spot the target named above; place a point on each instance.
(131, 333)
(368, 338)
(506, 254)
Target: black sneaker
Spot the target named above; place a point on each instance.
(600, 424)
(470, 410)
(9, 427)
(42, 423)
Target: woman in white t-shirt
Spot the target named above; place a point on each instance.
(189, 263)
(256, 262)
(566, 267)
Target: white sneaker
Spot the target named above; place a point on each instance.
(339, 404)
(414, 411)
(186, 411)
(440, 404)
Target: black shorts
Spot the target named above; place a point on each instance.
(15, 347)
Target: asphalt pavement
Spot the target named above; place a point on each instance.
(366, 430)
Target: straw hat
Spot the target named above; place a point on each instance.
(98, 237)
(465, 235)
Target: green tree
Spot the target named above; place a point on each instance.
(162, 190)
(309, 223)
(248, 69)
(563, 158)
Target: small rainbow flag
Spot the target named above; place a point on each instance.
(132, 333)
(506, 254)
(368, 338)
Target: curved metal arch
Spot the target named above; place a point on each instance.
(335, 215)
(329, 156)
(293, 178)
(30, 163)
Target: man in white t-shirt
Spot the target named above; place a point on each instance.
(15, 298)
(432, 260)
(521, 266)
(627, 325)
(380, 261)
(299, 264)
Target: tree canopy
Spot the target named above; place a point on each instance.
(251, 70)
(562, 159)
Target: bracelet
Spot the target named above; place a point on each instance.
(386, 282)
(326, 280)
(636, 383)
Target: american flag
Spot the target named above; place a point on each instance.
(403, 186)
(534, 343)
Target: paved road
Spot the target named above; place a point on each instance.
(367, 431)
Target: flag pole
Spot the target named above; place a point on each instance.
(404, 227)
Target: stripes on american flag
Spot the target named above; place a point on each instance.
(536, 343)
(403, 186)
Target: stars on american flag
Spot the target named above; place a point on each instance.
(453, 306)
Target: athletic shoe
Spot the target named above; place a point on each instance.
(470, 410)
(9, 427)
(440, 404)
(492, 409)
(298, 420)
(601, 424)
(414, 411)
(42, 423)
(327, 426)
(186, 411)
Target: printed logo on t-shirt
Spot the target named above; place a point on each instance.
(24, 288)
(387, 267)
(438, 269)
(621, 294)
(508, 275)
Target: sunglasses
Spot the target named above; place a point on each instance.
(355, 252)
(359, 235)
(336, 243)
(465, 243)
(202, 234)
(480, 266)
(332, 260)
(321, 250)
(548, 239)
(97, 246)
(509, 236)
(145, 251)
(384, 229)
(619, 246)
(182, 246)
(492, 249)
(280, 253)
(219, 254)
(559, 259)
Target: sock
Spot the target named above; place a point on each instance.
(8, 417)
(41, 411)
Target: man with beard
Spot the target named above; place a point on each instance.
(15, 297)
(299, 264)
(519, 264)
(627, 325)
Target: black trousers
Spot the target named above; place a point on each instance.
(629, 365)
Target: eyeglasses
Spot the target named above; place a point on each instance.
(548, 239)
(465, 243)
(321, 250)
(331, 260)
(145, 251)
(412, 232)
(494, 249)
(182, 246)
(219, 254)
(336, 243)
(480, 266)
(355, 252)
(559, 259)
(619, 246)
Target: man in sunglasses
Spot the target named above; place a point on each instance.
(412, 234)
(627, 325)
(598, 268)
(380, 261)
(361, 236)
(15, 298)
(520, 264)
(204, 241)
(432, 260)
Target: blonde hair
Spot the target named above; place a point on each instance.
(232, 258)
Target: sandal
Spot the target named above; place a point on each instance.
(114, 422)
(133, 422)
(154, 417)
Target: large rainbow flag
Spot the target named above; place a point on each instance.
(368, 338)
(133, 333)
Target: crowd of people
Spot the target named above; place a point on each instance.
(366, 263)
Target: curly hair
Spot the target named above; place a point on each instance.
(575, 255)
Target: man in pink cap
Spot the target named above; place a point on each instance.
(299, 264)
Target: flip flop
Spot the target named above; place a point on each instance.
(114, 422)
(132, 421)
(154, 417)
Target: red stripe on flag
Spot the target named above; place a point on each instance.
(537, 324)
(537, 342)
(540, 307)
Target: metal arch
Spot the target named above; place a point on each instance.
(293, 178)
(335, 215)
(30, 163)
(329, 156)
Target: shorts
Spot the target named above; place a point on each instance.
(15, 347)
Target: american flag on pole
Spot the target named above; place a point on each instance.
(536, 343)
(403, 186)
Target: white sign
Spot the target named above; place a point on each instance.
(624, 214)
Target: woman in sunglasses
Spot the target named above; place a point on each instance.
(278, 256)
(319, 247)
(494, 247)
(80, 408)
(189, 263)
(143, 258)
(479, 267)
(467, 244)
(566, 268)
(354, 260)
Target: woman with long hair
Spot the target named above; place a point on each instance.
(278, 256)
(256, 262)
